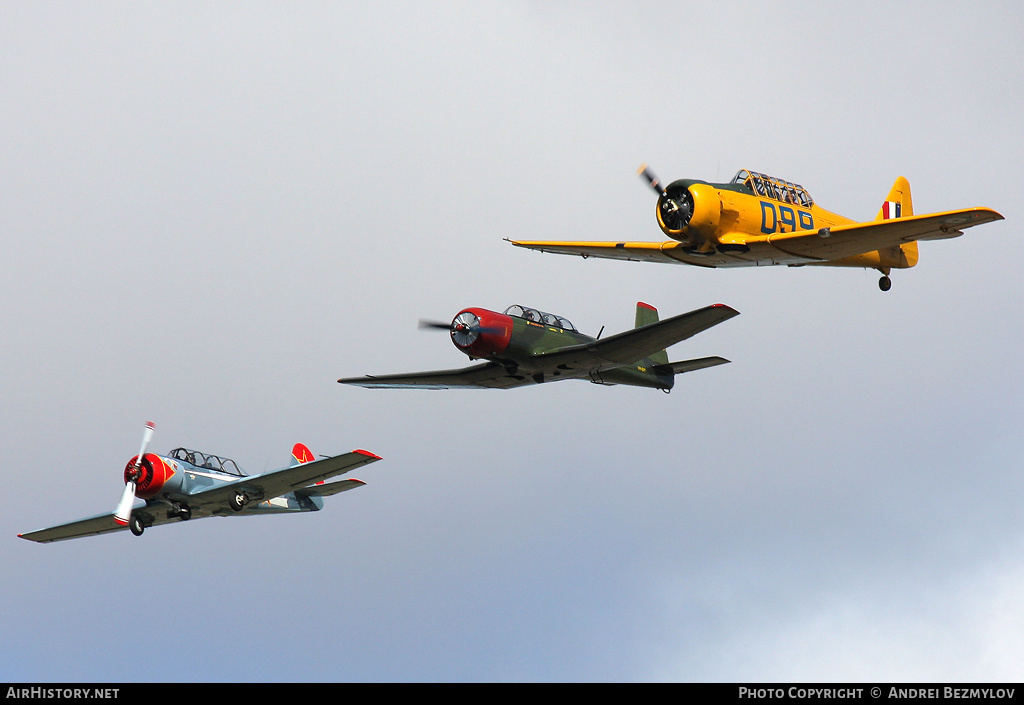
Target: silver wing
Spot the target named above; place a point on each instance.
(279, 482)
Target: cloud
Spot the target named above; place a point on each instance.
(910, 628)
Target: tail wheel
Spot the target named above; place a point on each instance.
(885, 283)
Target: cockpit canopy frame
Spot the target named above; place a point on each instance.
(770, 187)
(532, 314)
(207, 461)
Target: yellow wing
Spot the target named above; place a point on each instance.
(849, 240)
(668, 251)
(801, 247)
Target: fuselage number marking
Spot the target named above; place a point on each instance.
(784, 219)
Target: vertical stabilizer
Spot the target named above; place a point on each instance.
(646, 315)
(301, 454)
(899, 204)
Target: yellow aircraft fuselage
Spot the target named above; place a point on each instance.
(741, 224)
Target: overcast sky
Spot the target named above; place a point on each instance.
(211, 211)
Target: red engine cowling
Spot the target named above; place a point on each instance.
(481, 333)
(152, 474)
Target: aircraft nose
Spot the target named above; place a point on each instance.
(481, 333)
(465, 329)
(675, 208)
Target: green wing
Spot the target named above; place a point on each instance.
(489, 375)
(633, 345)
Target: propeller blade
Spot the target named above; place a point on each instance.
(651, 179)
(124, 506)
(123, 512)
(456, 327)
(435, 324)
(147, 436)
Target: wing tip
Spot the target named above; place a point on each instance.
(367, 453)
(357, 381)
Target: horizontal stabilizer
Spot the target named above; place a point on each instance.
(329, 488)
(677, 368)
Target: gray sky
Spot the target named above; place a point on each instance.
(210, 212)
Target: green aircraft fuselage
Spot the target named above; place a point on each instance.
(528, 339)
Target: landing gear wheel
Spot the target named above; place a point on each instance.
(238, 500)
(135, 525)
(885, 283)
(184, 512)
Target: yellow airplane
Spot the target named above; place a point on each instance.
(758, 220)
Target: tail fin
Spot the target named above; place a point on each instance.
(645, 315)
(899, 204)
(301, 454)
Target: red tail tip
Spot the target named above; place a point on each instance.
(301, 453)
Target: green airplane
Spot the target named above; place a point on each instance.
(525, 346)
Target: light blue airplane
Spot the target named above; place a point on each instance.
(187, 484)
